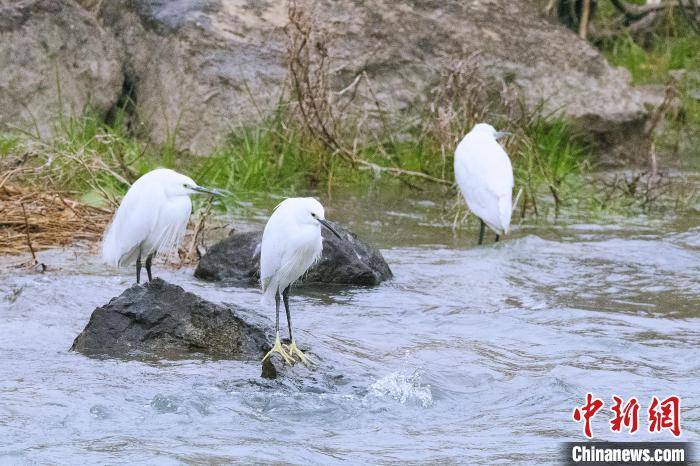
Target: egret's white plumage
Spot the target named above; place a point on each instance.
(291, 243)
(485, 177)
(152, 217)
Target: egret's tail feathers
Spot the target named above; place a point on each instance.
(268, 291)
(110, 251)
(505, 209)
(114, 256)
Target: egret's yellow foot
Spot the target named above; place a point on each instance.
(294, 350)
(277, 348)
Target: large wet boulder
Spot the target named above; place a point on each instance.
(164, 321)
(159, 320)
(192, 70)
(346, 261)
(56, 62)
(197, 68)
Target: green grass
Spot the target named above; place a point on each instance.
(547, 158)
(96, 161)
(670, 54)
(9, 144)
(655, 64)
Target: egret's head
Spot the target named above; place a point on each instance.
(308, 211)
(485, 128)
(194, 188)
(176, 184)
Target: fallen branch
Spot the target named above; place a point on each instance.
(633, 12)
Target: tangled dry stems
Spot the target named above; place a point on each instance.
(32, 221)
(319, 111)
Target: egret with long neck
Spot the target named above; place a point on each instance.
(291, 244)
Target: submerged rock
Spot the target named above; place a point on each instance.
(349, 261)
(163, 320)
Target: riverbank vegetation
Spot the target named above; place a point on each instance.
(310, 143)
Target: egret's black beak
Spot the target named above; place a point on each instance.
(202, 189)
(501, 134)
(328, 225)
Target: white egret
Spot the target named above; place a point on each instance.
(291, 243)
(151, 218)
(485, 177)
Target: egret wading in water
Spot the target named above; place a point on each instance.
(151, 218)
(485, 177)
(291, 243)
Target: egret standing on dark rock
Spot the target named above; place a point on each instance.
(291, 243)
(151, 218)
(485, 177)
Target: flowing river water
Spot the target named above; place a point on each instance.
(469, 355)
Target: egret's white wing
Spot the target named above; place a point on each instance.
(286, 252)
(485, 177)
(170, 226)
(132, 224)
(272, 250)
(303, 248)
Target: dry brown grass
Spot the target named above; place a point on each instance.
(32, 221)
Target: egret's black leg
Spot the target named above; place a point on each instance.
(285, 298)
(481, 231)
(497, 238)
(148, 266)
(277, 347)
(293, 348)
(277, 312)
(138, 269)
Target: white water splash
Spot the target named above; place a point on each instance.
(402, 388)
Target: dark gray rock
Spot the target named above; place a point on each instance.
(164, 321)
(349, 261)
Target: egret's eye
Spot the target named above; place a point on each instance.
(313, 215)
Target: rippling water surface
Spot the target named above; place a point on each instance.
(469, 354)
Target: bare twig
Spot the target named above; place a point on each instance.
(316, 107)
(583, 23)
(26, 231)
(199, 229)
